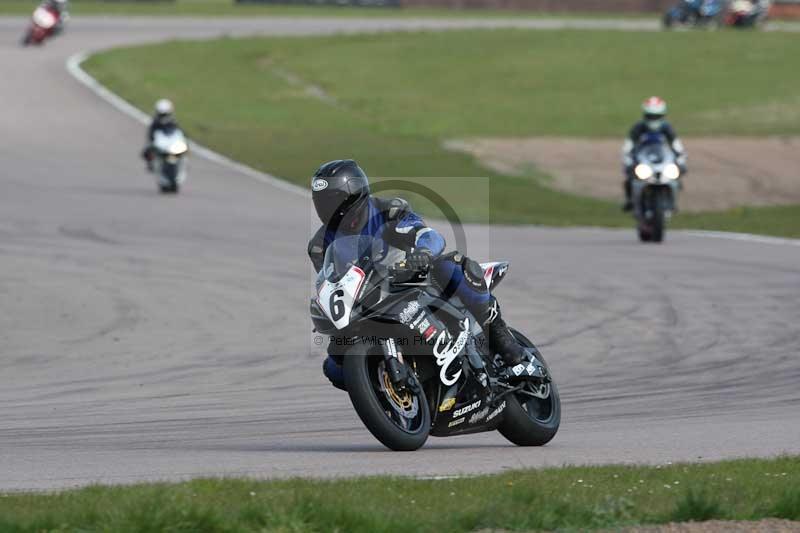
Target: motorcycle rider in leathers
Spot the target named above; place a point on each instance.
(654, 111)
(342, 199)
(164, 121)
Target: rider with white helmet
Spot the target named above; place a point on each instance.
(654, 111)
(163, 120)
(60, 7)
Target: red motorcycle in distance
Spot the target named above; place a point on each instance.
(747, 14)
(44, 23)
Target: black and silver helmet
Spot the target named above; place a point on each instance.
(340, 190)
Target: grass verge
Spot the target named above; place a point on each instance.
(563, 498)
(286, 104)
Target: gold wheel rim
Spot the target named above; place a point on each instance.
(404, 401)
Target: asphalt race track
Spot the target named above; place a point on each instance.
(145, 337)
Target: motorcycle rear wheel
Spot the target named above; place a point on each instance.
(400, 420)
(529, 421)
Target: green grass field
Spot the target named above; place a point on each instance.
(566, 498)
(391, 100)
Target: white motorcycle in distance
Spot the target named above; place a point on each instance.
(170, 149)
(655, 190)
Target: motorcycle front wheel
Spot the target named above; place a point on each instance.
(533, 415)
(399, 419)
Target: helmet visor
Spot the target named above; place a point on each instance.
(341, 211)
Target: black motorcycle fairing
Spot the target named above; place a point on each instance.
(415, 330)
(457, 409)
(653, 193)
(321, 322)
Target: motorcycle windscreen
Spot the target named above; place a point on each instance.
(347, 261)
(654, 152)
(172, 142)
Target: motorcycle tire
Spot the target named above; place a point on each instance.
(659, 221)
(27, 39)
(171, 188)
(521, 425)
(373, 407)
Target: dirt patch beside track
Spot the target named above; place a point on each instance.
(720, 526)
(723, 172)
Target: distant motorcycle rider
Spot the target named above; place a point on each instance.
(653, 122)
(61, 8)
(345, 206)
(164, 121)
(756, 11)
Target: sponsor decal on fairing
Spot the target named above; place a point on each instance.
(407, 314)
(447, 405)
(497, 411)
(467, 408)
(480, 415)
(449, 352)
(417, 320)
(429, 333)
(456, 422)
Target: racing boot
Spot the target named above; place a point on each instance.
(518, 360)
(628, 205)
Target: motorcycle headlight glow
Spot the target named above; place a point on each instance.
(643, 171)
(178, 148)
(671, 172)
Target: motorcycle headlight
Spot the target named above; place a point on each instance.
(643, 171)
(671, 172)
(178, 148)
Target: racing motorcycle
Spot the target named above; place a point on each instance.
(417, 364)
(169, 150)
(746, 14)
(43, 25)
(655, 190)
(695, 13)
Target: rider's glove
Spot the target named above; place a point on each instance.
(419, 259)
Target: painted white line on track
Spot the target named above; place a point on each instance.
(749, 237)
(73, 65)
